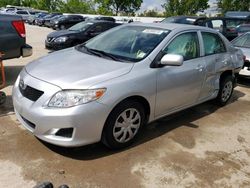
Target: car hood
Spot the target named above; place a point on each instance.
(71, 69)
(61, 33)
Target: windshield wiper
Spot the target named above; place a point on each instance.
(103, 53)
(98, 53)
(88, 50)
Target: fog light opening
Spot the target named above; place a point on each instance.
(66, 132)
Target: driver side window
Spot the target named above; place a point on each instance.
(186, 44)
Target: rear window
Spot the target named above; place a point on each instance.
(242, 41)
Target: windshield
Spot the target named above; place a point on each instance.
(82, 26)
(128, 43)
(242, 41)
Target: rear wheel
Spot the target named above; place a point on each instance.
(226, 90)
(123, 125)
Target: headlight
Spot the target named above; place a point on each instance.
(70, 98)
(61, 39)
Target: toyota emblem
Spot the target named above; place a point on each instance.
(22, 85)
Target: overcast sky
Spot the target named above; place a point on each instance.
(152, 4)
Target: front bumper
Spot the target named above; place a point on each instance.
(56, 46)
(86, 120)
(245, 71)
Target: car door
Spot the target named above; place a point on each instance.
(215, 55)
(180, 86)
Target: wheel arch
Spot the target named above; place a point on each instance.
(137, 98)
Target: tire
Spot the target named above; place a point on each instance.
(2, 98)
(226, 90)
(119, 132)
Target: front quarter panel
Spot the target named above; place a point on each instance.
(141, 81)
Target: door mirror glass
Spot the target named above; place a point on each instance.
(172, 60)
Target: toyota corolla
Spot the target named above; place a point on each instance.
(108, 88)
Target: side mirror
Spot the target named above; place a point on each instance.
(172, 60)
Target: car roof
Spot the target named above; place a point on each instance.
(99, 21)
(192, 17)
(173, 26)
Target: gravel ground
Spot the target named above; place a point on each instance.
(204, 146)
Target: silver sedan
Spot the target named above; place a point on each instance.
(108, 88)
(243, 42)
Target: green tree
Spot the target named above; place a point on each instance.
(234, 5)
(184, 7)
(120, 6)
(78, 6)
(151, 13)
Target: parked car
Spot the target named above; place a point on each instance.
(105, 18)
(24, 13)
(110, 87)
(238, 14)
(227, 26)
(191, 20)
(13, 37)
(243, 28)
(243, 42)
(48, 22)
(66, 22)
(77, 34)
(32, 19)
(42, 20)
(38, 17)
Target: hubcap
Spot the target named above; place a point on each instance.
(226, 92)
(127, 125)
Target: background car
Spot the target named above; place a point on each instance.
(243, 28)
(25, 14)
(66, 22)
(48, 22)
(13, 37)
(243, 42)
(77, 34)
(191, 20)
(37, 17)
(32, 18)
(47, 18)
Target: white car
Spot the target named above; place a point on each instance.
(243, 42)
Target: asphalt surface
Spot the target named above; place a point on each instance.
(204, 146)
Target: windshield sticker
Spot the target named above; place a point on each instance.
(153, 31)
(140, 54)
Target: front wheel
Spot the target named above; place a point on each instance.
(226, 90)
(123, 125)
(2, 98)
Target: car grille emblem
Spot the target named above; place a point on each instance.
(22, 85)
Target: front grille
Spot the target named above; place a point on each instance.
(30, 124)
(31, 93)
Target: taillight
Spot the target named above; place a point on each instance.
(20, 28)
